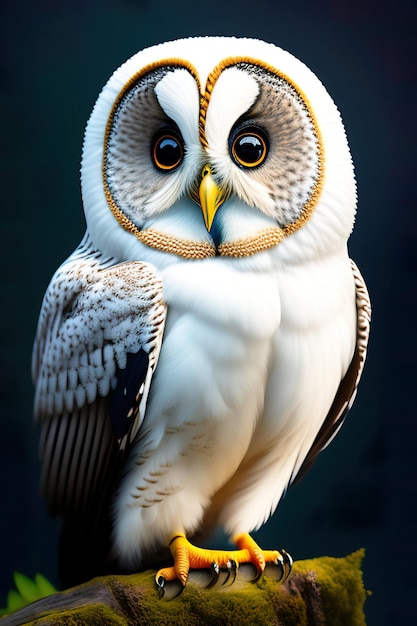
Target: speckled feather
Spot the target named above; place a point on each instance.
(95, 313)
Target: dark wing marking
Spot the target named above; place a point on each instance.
(97, 346)
(125, 398)
(346, 392)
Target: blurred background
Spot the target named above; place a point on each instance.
(56, 55)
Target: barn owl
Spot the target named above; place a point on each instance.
(205, 340)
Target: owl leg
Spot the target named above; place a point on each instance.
(187, 556)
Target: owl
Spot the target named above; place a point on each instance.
(205, 340)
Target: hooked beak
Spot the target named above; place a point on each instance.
(211, 196)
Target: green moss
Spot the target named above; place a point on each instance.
(200, 606)
(292, 611)
(341, 587)
(196, 606)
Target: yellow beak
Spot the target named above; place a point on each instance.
(211, 196)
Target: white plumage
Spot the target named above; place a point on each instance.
(188, 363)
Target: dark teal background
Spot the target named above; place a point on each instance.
(56, 55)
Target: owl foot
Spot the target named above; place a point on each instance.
(187, 556)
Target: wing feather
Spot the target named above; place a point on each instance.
(346, 392)
(97, 317)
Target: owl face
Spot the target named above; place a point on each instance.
(216, 146)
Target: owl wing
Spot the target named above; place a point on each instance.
(96, 348)
(346, 392)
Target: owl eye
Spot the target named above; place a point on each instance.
(249, 146)
(167, 150)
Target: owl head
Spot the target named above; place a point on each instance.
(216, 146)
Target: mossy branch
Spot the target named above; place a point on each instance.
(323, 591)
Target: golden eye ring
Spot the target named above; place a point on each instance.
(249, 147)
(167, 150)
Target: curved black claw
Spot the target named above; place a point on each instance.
(258, 576)
(168, 590)
(215, 572)
(287, 562)
(231, 573)
(281, 568)
(160, 586)
(276, 570)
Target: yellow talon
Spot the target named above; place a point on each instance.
(187, 556)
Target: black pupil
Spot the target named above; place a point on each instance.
(168, 152)
(249, 149)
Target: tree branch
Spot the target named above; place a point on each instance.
(319, 592)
